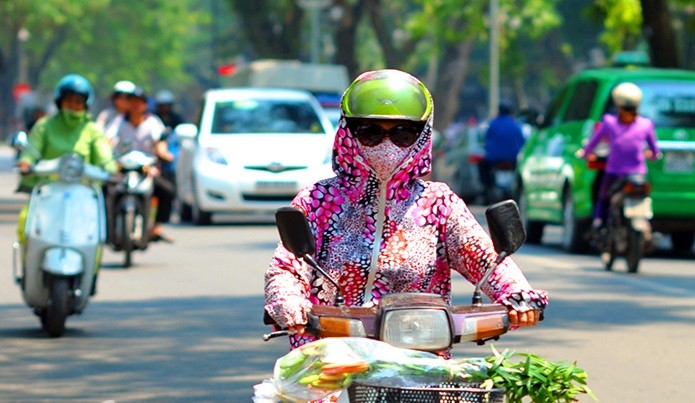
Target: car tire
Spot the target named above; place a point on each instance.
(573, 230)
(682, 241)
(185, 211)
(200, 217)
(534, 229)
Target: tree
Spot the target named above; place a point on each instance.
(104, 40)
(659, 33)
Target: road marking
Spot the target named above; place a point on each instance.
(646, 283)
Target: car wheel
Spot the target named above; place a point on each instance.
(573, 230)
(534, 229)
(185, 211)
(200, 217)
(682, 241)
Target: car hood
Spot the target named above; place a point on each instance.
(265, 149)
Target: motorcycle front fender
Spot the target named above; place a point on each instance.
(62, 261)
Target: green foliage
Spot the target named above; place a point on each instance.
(107, 40)
(622, 23)
(525, 375)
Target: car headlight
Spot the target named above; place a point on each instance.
(215, 156)
(418, 329)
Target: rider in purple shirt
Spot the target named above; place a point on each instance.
(626, 134)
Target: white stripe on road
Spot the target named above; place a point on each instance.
(646, 283)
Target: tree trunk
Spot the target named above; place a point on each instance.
(345, 35)
(659, 33)
(276, 38)
(453, 71)
(395, 57)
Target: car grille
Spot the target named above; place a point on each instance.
(267, 198)
(273, 168)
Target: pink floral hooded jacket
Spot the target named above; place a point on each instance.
(412, 232)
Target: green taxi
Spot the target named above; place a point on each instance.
(555, 187)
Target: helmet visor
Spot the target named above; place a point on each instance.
(387, 94)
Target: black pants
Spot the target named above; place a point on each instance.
(165, 192)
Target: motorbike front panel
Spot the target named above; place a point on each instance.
(61, 217)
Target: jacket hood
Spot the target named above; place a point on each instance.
(353, 170)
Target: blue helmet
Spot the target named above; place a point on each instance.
(76, 84)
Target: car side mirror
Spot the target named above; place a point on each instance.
(294, 230)
(186, 131)
(506, 227)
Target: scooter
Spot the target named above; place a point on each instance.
(503, 175)
(627, 231)
(56, 263)
(129, 202)
(408, 320)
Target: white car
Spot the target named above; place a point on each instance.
(252, 151)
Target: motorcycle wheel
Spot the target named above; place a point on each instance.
(53, 319)
(633, 254)
(128, 228)
(608, 256)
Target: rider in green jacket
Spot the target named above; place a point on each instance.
(70, 130)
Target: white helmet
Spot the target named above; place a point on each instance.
(164, 97)
(124, 87)
(626, 94)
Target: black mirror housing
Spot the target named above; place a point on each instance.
(295, 233)
(506, 227)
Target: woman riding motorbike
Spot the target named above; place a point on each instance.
(380, 229)
(626, 133)
(70, 130)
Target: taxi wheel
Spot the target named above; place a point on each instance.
(682, 241)
(534, 229)
(573, 229)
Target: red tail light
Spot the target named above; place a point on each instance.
(475, 158)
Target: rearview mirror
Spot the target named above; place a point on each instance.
(19, 140)
(295, 234)
(186, 131)
(506, 228)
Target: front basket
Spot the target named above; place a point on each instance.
(444, 393)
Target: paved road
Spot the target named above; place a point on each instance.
(184, 323)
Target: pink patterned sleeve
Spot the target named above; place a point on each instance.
(470, 251)
(288, 283)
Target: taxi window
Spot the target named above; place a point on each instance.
(581, 102)
(554, 108)
(668, 104)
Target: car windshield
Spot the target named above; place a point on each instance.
(248, 116)
(668, 104)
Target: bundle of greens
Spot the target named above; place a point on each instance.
(528, 375)
(318, 369)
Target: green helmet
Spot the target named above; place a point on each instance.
(387, 94)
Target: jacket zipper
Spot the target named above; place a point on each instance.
(376, 247)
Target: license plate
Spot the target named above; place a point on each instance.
(638, 208)
(277, 187)
(679, 161)
(504, 178)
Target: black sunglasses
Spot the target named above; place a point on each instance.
(370, 134)
(629, 108)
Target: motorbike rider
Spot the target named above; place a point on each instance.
(504, 139)
(381, 229)
(164, 108)
(626, 133)
(140, 130)
(70, 130)
(120, 104)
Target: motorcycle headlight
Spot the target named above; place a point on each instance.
(71, 168)
(418, 329)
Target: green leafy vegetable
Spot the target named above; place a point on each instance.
(528, 375)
